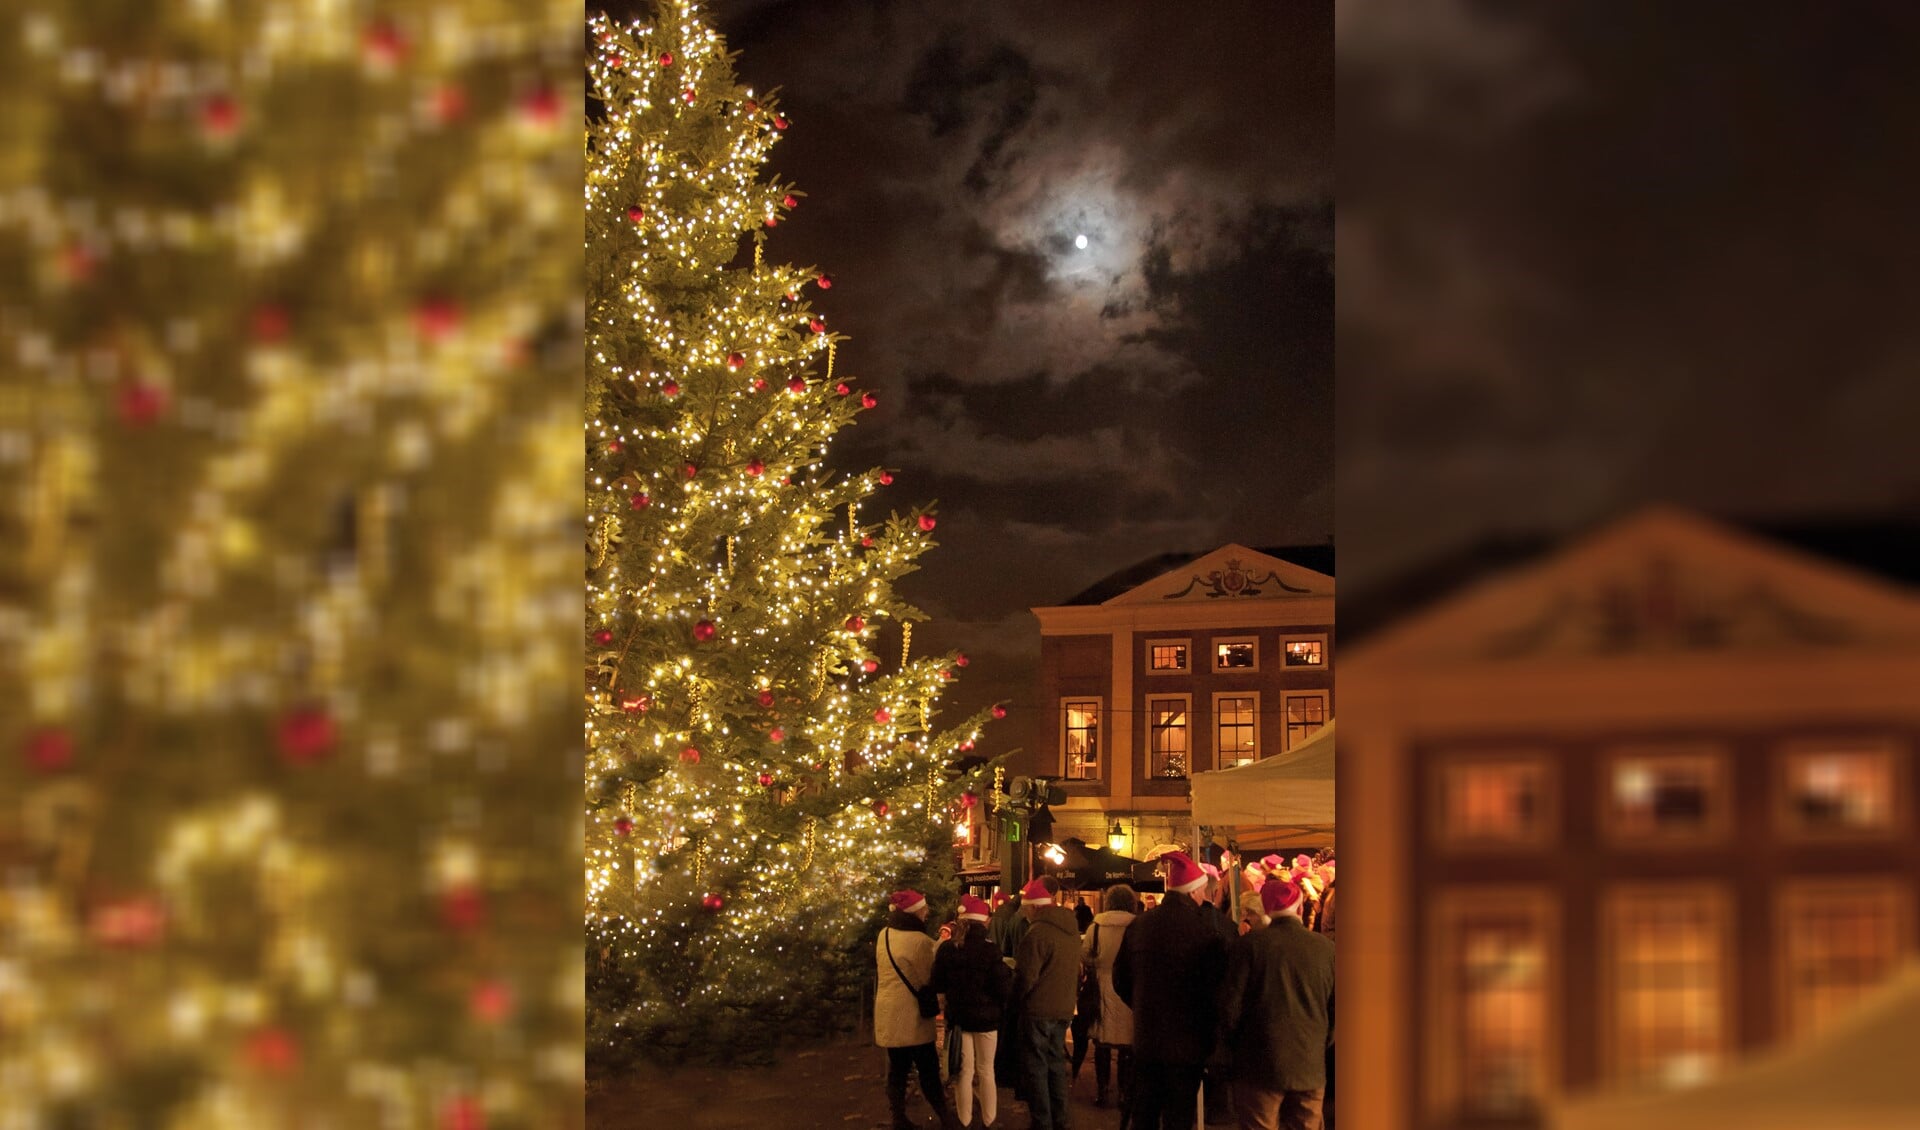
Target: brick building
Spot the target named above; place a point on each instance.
(1620, 815)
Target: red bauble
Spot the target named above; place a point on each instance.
(541, 107)
(703, 631)
(825, 281)
(687, 95)
(49, 749)
(603, 637)
(756, 468)
(132, 923)
(616, 60)
(690, 755)
(666, 58)
(736, 360)
(671, 388)
(999, 712)
(968, 799)
(776, 735)
(436, 318)
(272, 1051)
(842, 388)
(751, 106)
(779, 122)
(639, 502)
(219, 117)
(623, 826)
(870, 665)
(692, 470)
(886, 478)
(766, 700)
(765, 779)
(772, 223)
(797, 385)
(759, 384)
(636, 213)
(489, 1002)
(961, 659)
(269, 324)
(449, 103)
(880, 808)
(967, 745)
(926, 522)
(383, 44)
(712, 903)
(789, 201)
(462, 1112)
(638, 704)
(462, 908)
(306, 734)
(856, 624)
(866, 542)
(868, 400)
(615, 447)
(816, 325)
(141, 404)
(883, 716)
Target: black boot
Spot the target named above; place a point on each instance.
(897, 1101)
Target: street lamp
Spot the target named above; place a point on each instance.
(1117, 839)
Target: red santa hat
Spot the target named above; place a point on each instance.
(908, 901)
(1036, 894)
(973, 909)
(1279, 895)
(1212, 871)
(1273, 863)
(999, 899)
(1183, 874)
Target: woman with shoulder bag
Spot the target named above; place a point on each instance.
(1112, 1027)
(902, 1022)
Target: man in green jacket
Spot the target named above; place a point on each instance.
(1046, 979)
(1277, 1009)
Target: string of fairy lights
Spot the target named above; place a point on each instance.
(755, 780)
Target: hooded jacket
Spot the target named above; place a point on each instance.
(897, 1022)
(1046, 970)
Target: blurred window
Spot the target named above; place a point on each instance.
(1494, 801)
(1236, 720)
(1167, 657)
(1492, 1053)
(1840, 940)
(1665, 797)
(1306, 712)
(1236, 655)
(1167, 736)
(1669, 964)
(1081, 718)
(1840, 791)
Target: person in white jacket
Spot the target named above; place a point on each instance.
(903, 957)
(1114, 1028)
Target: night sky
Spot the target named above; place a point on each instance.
(1597, 254)
(1169, 387)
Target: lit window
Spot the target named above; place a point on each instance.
(1167, 737)
(1306, 713)
(1082, 738)
(1840, 941)
(1305, 653)
(1502, 1017)
(1840, 791)
(1666, 796)
(1167, 656)
(1669, 961)
(1494, 801)
(1236, 727)
(1236, 655)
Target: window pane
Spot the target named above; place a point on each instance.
(1231, 655)
(1841, 791)
(1083, 739)
(1839, 946)
(1169, 657)
(1234, 719)
(1305, 714)
(1501, 1030)
(1494, 800)
(1305, 653)
(1668, 1011)
(1652, 796)
(1167, 737)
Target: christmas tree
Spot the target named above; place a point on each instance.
(289, 329)
(758, 773)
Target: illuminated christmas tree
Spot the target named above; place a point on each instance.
(289, 375)
(759, 775)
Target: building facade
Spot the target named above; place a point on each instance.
(1624, 815)
(1177, 667)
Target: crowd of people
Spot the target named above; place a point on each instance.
(1171, 1000)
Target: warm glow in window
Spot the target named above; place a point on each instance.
(1167, 736)
(1167, 657)
(1667, 953)
(1305, 653)
(1658, 796)
(1839, 943)
(1082, 739)
(1502, 1017)
(1234, 655)
(1306, 713)
(1494, 801)
(1841, 791)
(1234, 720)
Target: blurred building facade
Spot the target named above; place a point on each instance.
(1620, 815)
(1178, 665)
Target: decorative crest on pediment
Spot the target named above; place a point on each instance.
(1234, 580)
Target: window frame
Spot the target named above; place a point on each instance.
(1100, 731)
(1214, 725)
(1215, 643)
(1286, 719)
(1184, 669)
(1326, 651)
(1185, 698)
(1452, 909)
(1615, 903)
(1546, 832)
(1718, 825)
(1794, 903)
(1786, 821)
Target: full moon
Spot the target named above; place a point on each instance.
(1080, 241)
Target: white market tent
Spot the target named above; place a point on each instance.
(1863, 1073)
(1291, 790)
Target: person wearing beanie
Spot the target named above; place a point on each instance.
(903, 958)
(1046, 977)
(1169, 972)
(970, 974)
(1112, 1032)
(1277, 1014)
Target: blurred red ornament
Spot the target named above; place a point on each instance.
(968, 799)
(490, 1001)
(825, 281)
(712, 903)
(306, 734)
(842, 388)
(703, 631)
(779, 122)
(692, 470)
(615, 447)
(603, 637)
(49, 749)
(880, 808)
(449, 104)
(690, 755)
(436, 318)
(383, 44)
(131, 923)
(666, 58)
(883, 716)
(792, 297)
(967, 745)
(999, 712)
(616, 60)
(866, 542)
(636, 213)
(870, 665)
(946, 675)
(462, 1112)
(759, 384)
(772, 223)
(766, 699)
(219, 117)
(856, 624)
(639, 502)
(638, 704)
(462, 909)
(270, 324)
(797, 385)
(765, 779)
(736, 360)
(687, 95)
(76, 262)
(868, 400)
(756, 468)
(886, 478)
(623, 826)
(961, 660)
(541, 106)
(927, 522)
(141, 404)
(776, 735)
(816, 325)
(272, 1051)
(671, 388)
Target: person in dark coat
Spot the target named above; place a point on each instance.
(1046, 981)
(1005, 927)
(1169, 973)
(1082, 914)
(1277, 1016)
(1219, 1105)
(969, 972)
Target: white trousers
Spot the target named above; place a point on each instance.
(976, 1076)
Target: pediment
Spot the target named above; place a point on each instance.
(1230, 574)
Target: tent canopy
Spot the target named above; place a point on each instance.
(1856, 1075)
(1288, 790)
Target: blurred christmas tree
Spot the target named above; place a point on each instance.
(755, 782)
(289, 329)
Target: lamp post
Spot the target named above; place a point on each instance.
(1117, 839)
